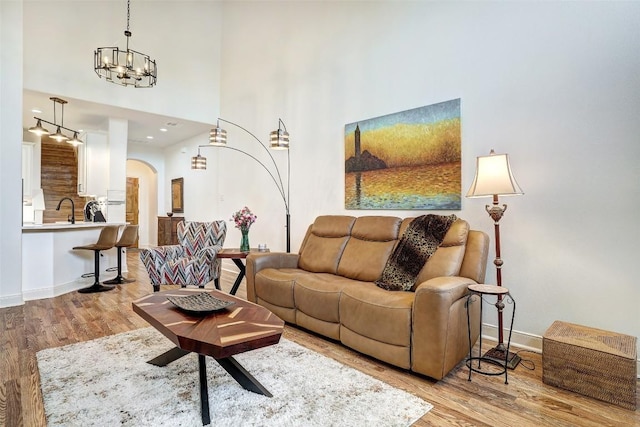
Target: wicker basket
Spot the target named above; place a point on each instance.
(592, 362)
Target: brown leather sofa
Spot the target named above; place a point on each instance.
(328, 288)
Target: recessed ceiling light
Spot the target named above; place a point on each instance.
(163, 129)
(36, 110)
(149, 137)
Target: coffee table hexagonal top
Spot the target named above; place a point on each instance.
(240, 327)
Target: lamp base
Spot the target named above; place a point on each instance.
(497, 354)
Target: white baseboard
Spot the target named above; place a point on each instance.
(523, 340)
(11, 300)
(58, 289)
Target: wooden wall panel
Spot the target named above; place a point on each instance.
(59, 178)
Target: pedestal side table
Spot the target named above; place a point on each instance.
(502, 294)
(237, 256)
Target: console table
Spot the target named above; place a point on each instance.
(168, 230)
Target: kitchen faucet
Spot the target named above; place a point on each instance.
(73, 209)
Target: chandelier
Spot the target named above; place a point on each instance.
(125, 67)
(39, 130)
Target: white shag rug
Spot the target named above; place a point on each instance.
(107, 382)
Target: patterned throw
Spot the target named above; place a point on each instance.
(419, 242)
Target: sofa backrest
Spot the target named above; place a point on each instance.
(358, 248)
(323, 245)
(370, 245)
(447, 259)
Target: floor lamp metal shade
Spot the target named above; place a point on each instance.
(279, 140)
(218, 136)
(199, 162)
(494, 178)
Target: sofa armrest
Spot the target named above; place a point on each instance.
(449, 288)
(261, 261)
(440, 338)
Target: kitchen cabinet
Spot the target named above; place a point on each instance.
(168, 230)
(93, 165)
(27, 169)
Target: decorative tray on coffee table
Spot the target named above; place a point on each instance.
(201, 303)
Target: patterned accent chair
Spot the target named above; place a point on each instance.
(192, 262)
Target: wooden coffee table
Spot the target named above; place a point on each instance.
(241, 327)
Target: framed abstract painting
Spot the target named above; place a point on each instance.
(407, 160)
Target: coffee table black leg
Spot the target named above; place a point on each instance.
(167, 357)
(242, 268)
(244, 378)
(204, 391)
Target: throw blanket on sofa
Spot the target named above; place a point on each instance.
(421, 239)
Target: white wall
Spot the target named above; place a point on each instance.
(182, 36)
(10, 152)
(200, 187)
(554, 84)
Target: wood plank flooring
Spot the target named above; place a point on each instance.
(485, 401)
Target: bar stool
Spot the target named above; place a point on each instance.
(106, 240)
(127, 239)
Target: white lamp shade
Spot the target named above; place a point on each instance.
(494, 177)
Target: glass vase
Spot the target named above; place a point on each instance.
(244, 243)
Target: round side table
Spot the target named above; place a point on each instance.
(500, 293)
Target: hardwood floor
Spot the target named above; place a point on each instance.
(485, 401)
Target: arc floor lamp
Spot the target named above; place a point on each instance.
(494, 178)
(279, 140)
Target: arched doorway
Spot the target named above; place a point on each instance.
(147, 201)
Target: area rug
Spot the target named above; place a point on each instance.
(107, 382)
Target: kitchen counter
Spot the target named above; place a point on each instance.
(65, 225)
(50, 266)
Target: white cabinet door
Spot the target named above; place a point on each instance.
(27, 169)
(93, 165)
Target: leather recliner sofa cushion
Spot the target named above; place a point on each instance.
(274, 290)
(371, 243)
(324, 244)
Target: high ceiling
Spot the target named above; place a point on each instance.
(84, 115)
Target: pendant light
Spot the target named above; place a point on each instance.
(58, 136)
(125, 67)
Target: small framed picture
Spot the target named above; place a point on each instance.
(177, 195)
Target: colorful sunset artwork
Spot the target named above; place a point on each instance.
(407, 160)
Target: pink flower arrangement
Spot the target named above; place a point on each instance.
(244, 218)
